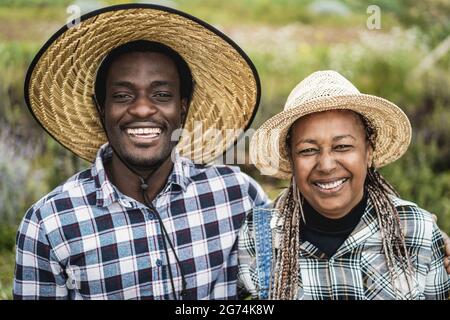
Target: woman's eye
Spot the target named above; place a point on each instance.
(307, 152)
(343, 147)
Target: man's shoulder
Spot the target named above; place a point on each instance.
(60, 199)
(200, 171)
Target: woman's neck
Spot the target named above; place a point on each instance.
(319, 222)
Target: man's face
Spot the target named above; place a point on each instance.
(143, 107)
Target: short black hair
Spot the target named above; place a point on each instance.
(184, 72)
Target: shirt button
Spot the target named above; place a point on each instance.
(151, 216)
(159, 262)
(125, 203)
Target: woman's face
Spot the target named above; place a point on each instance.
(330, 156)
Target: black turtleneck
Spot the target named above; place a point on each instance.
(329, 234)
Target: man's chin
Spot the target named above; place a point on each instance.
(144, 158)
(145, 162)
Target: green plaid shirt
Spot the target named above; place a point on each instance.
(358, 269)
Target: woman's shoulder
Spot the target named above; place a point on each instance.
(409, 209)
(418, 223)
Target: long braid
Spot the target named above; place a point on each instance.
(284, 266)
(393, 239)
(380, 192)
(286, 271)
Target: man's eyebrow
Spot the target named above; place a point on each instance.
(129, 84)
(160, 83)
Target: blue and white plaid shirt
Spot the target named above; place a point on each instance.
(87, 240)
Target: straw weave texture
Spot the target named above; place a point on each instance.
(62, 81)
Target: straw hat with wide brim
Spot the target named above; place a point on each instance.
(60, 81)
(323, 91)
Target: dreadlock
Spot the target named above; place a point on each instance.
(286, 271)
(285, 278)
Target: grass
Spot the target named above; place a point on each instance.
(6, 274)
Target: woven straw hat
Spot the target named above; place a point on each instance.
(322, 91)
(60, 81)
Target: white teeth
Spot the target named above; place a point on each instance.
(143, 131)
(331, 185)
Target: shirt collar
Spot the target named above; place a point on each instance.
(107, 193)
(181, 171)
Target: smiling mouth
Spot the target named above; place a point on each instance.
(144, 133)
(330, 186)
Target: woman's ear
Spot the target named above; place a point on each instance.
(369, 155)
(288, 146)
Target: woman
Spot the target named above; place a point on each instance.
(340, 230)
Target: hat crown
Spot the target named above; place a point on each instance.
(318, 85)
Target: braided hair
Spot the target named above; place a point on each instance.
(286, 272)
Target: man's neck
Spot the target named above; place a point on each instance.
(130, 184)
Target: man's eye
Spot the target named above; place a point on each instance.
(162, 96)
(122, 96)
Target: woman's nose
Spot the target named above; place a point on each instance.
(326, 162)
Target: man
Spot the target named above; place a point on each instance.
(143, 222)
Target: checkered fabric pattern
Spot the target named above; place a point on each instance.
(358, 269)
(87, 240)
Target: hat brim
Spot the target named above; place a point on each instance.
(60, 80)
(268, 150)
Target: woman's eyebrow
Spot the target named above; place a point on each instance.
(337, 138)
(311, 141)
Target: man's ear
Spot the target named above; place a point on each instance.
(184, 111)
(100, 110)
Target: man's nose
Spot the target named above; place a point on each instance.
(142, 107)
(326, 162)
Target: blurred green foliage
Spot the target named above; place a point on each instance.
(287, 40)
(34, 3)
